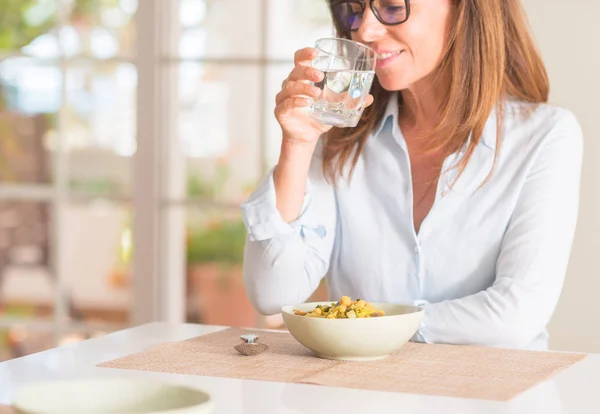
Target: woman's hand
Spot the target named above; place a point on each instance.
(297, 126)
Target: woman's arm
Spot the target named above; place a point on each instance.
(284, 262)
(534, 255)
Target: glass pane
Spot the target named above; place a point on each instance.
(27, 283)
(206, 28)
(98, 239)
(219, 129)
(100, 126)
(29, 101)
(96, 262)
(28, 27)
(295, 24)
(99, 28)
(215, 288)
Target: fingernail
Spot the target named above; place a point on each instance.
(316, 91)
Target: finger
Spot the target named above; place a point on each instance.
(305, 73)
(369, 100)
(292, 88)
(303, 57)
(290, 104)
(295, 102)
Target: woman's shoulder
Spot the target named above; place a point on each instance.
(533, 129)
(545, 119)
(538, 124)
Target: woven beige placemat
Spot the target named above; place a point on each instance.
(444, 370)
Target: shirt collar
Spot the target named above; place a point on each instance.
(488, 138)
(490, 131)
(391, 113)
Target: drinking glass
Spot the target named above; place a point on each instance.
(349, 69)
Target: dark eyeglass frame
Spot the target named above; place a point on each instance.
(374, 10)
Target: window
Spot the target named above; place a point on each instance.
(124, 157)
(67, 99)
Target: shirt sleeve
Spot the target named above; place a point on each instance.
(285, 262)
(533, 259)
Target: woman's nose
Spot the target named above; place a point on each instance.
(370, 28)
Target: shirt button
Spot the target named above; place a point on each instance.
(416, 248)
(444, 193)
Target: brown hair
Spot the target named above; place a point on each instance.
(490, 55)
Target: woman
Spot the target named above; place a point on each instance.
(458, 190)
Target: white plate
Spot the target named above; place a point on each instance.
(111, 396)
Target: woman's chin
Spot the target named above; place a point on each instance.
(393, 82)
(393, 85)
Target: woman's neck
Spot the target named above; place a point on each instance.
(421, 109)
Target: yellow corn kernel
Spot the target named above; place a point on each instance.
(345, 301)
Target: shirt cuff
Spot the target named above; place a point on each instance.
(263, 221)
(419, 335)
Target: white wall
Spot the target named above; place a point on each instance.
(569, 37)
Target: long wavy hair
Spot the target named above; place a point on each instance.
(490, 55)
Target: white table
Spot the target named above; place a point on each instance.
(574, 390)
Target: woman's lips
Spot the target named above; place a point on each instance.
(386, 58)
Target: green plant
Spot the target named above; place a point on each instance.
(221, 242)
(21, 21)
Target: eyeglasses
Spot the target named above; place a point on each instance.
(348, 14)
